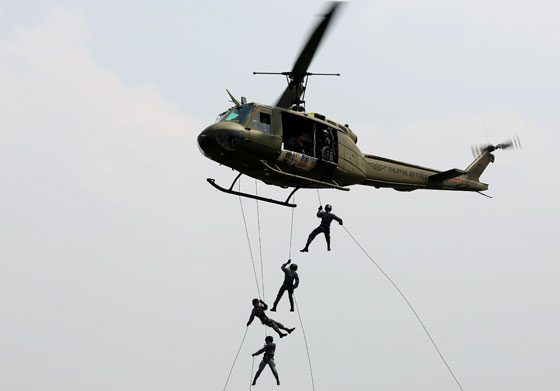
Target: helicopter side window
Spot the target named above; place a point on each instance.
(265, 121)
(240, 114)
(261, 121)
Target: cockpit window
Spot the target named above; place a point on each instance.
(221, 116)
(238, 114)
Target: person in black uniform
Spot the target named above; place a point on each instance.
(259, 307)
(268, 358)
(325, 227)
(291, 282)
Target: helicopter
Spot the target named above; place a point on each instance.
(283, 145)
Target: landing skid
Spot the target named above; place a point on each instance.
(255, 197)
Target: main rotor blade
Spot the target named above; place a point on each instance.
(304, 59)
(288, 96)
(306, 55)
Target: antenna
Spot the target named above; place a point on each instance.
(235, 101)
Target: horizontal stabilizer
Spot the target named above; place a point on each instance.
(442, 176)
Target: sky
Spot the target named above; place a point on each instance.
(122, 269)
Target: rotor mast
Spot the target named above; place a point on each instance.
(296, 87)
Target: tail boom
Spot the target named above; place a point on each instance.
(401, 176)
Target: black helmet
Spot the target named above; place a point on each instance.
(293, 267)
(328, 207)
(255, 301)
(269, 338)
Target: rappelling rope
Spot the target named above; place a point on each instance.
(305, 340)
(319, 196)
(256, 279)
(260, 243)
(235, 359)
(291, 230)
(249, 242)
(251, 378)
(297, 307)
(409, 305)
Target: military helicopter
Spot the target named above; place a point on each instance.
(283, 145)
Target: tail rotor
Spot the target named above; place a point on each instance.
(512, 143)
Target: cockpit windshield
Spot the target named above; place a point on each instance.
(239, 114)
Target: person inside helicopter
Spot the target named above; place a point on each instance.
(325, 227)
(295, 144)
(325, 145)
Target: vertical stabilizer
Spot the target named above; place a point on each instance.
(476, 168)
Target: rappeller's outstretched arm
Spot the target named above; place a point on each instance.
(252, 317)
(284, 268)
(320, 211)
(337, 219)
(259, 352)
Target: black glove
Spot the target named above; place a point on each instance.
(289, 261)
(248, 323)
(321, 207)
(262, 302)
(340, 223)
(253, 354)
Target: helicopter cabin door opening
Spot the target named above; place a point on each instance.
(309, 137)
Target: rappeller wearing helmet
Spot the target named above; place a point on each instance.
(291, 282)
(268, 358)
(259, 307)
(325, 227)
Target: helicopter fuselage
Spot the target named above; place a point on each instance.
(289, 148)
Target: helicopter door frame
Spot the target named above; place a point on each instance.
(308, 136)
(327, 145)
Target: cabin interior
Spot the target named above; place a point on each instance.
(309, 137)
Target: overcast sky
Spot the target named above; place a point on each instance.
(122, 269)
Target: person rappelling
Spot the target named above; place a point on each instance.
(325, 227)
(291, 282)
(259, 307)
(268, 359)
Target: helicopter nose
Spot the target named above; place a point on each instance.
(206, 141)
(219, 137)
